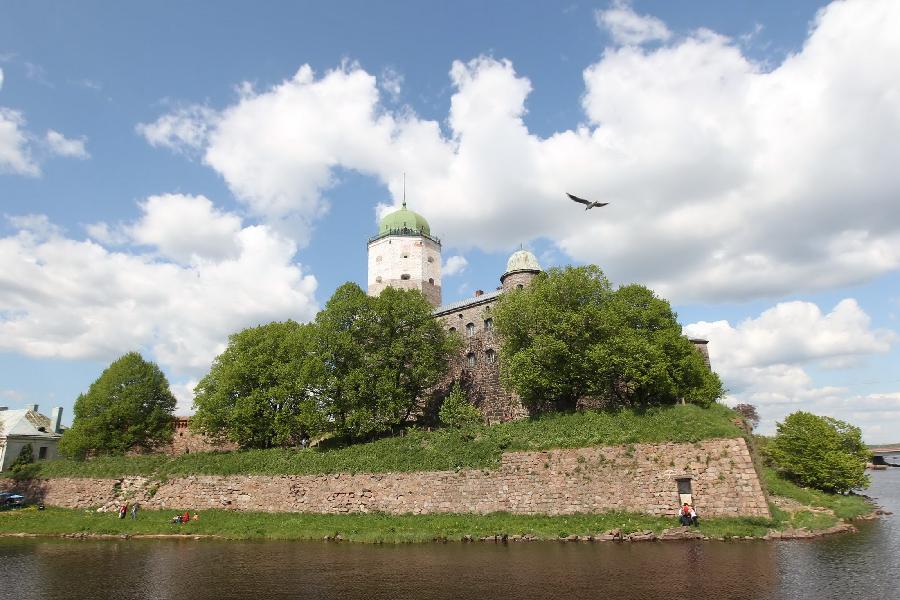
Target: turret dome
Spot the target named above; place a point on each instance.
(522, 260)
(403, 219)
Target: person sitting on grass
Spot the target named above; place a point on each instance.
(186, 517)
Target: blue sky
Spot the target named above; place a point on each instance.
(171, 173)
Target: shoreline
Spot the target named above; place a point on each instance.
(403, 529)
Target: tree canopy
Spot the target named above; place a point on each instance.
(358, 370)
(128, 406)
(258, 392)
(569, 336)
(820, 452)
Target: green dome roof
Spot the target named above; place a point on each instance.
(403, 219)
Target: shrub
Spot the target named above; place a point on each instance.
(23, 467)
(749, 414)
(457, 412)
(820, 452)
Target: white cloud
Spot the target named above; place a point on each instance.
(795, 332)
(16, 152)
(62, 146)
(454, 265)
(106, 234)
(727, 180)
(184, 130)
(763, 360)
(630, 28)
(391, 81)
(187, 229)
(69, 298)
(184, 394)
(15, 155)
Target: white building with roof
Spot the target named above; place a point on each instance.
(18, 428)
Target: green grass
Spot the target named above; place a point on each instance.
(418, 450)
(844, 507)
(355, 527)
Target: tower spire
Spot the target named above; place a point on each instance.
(404, 189)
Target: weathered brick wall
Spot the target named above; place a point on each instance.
(637, 478)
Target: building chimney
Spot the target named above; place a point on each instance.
(479, 293)
(56, 420)
(32, 407)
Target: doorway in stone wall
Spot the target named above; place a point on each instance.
(685, 491)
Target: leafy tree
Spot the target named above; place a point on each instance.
(25, 458)
(749, 414)
(570, 336)
(258, 392)
(820, 452)
(23, 467)
(458, 412)
(377, 356)
(129, 406)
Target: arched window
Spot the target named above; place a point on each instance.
(470, 359)
(405, 277)
(453, 330)
(490, 356)
(488, 324)
(470, 329)
(378, 279)
(520, 286)
(431, 280)
(431, 259)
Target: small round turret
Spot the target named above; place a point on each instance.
(521, 268)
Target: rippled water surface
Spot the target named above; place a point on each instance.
(865, 566)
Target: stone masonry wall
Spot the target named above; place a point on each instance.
(481, 381)
(635, 478)
(185, 441)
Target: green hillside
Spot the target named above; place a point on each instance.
(419, 450)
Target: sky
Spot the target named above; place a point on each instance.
(171, 173)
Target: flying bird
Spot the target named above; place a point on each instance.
(588, 204)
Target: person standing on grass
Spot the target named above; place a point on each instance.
(122, 510)
(134, 511)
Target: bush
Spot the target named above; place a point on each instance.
(820, 452)
(749, 413)
(457, 412)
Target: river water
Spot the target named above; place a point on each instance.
(857, 566)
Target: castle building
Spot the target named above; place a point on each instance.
(405, 255)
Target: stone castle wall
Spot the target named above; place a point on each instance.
(185, 441)
(637, 478)
(473, 368)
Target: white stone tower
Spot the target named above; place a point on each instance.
(405, 255)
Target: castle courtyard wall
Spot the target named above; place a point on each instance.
(635, 478)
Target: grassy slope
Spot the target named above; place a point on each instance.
(425, 451)
(355, 527)
(844, 507)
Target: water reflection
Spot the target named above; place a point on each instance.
(848, 566)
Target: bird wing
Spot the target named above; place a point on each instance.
(599, 204)
(577, 199)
